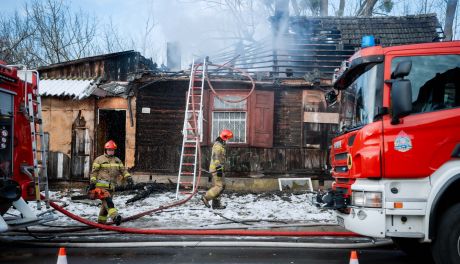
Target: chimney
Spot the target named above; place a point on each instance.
(173, 56)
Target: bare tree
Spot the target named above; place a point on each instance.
(112, 40)
(450, 15)
(60, 35)
(341, 8)
(15, 35)
(366, 8)
(48, 33)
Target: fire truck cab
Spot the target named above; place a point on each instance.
(396, 161)
(17, 183)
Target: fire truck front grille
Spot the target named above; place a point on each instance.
(341, 169)
(341, 156)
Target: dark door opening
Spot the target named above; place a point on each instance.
(111, 126)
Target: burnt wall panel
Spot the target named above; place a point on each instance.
(160, 114)
(287, 118)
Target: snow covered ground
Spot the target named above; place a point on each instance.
(257, 210)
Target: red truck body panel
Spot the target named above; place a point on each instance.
(22, 144)
(377, 148)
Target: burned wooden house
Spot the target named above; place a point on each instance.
(283, 128)
(85, 103)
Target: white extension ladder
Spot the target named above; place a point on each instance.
(192, 128)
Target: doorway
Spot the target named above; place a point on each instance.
(111, 125)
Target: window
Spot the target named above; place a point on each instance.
(435, 82)
(250, 120)
(232, 116)
(6, 134)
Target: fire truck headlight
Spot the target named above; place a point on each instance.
(367, 199)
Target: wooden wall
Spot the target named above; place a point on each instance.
(160, 112)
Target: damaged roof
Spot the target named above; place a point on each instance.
(390, 30)
(313, 47)
(78, 89)
(81, 89)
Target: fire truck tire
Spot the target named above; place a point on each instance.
(413, 248)
(446, 245)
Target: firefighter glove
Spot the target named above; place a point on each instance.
(91, 187)
(219, 170)
(130, 182)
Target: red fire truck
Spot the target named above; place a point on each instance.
(396, 161)
(22, 149)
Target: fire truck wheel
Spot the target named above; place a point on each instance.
(446, 245)
(413, 248)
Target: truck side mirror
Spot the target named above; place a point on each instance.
(331, 97)
(401, 99)
(402, 69)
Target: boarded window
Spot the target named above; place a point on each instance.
(320, 122)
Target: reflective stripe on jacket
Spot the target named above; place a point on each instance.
(107, 170)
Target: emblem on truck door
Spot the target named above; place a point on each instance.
(403, 142)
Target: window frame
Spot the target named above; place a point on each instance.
(247, 111)
(392, 65)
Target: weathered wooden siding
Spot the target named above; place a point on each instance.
(111, 67)
(159, 138)
(288, 118)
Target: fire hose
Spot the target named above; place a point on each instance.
(200, 232)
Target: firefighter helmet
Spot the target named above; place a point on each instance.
(110, 145)
(226, 134)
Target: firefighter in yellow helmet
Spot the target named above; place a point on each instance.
(216, 167)
(108, 170)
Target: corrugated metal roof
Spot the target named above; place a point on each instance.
(78, 89)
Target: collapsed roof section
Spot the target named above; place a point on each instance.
(313, 47)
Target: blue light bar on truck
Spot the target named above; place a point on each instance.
(367, 41)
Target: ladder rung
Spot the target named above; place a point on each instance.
(189, 155)
(190, 128)
(190, 146)
(187, 173)
(188, 164)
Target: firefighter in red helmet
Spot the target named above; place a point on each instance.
(216, 167)
(107, 172)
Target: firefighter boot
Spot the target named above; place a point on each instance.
(117, 220)
(217, 205)
(205, 201)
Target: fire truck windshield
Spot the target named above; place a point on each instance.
(362, 98)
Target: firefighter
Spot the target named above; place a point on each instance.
(216, 167)
(106, 173)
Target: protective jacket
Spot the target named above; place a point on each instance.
(217, 156)
(216, 168)
(108, 171)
